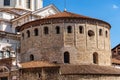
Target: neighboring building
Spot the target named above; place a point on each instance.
(116, 51)
(116, 63)
(116, 56)
(22, 4)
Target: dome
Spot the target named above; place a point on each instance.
(63, 17)
(66, 14)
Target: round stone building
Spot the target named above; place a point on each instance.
(66, 38)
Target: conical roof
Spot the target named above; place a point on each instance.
(62, 16)
(66, 14)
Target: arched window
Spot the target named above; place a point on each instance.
(28, 33)
(106, 34)
(100, 32)
(81, 29)
(22, 35)
(95, 58)
(46, 30)
(31, 57)
(6, 2)
(66, 57)
(69, 29)
(57, 30)
(36, 32)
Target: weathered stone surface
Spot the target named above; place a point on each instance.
(81, 47)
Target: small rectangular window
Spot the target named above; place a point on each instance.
(69, 29)
(28, 4)
(6, 2)
(57, 30)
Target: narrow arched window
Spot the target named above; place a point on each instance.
(46, 30)
(106, 34)
(95, 58)
(57, 30)
(66, 57)
(36, 32)
(100, 32)
(69, 29)
(81, 29)
(31, 57)
(22, 35)
(28, 33)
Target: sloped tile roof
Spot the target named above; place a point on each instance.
(61, 15)
(89, 69)
(37, 64)
(66, 14)
(73, 69)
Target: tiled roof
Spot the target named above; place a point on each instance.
(68, 69)
(66, 14)
(37, 64)
(89, 69)
(62, 16)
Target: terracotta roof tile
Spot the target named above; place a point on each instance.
(37, 64)
(89, 69)
(66, 14)
(61, 15)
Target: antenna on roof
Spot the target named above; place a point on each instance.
(65, 5)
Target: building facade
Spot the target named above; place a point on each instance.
(116, 56)
(22, 4)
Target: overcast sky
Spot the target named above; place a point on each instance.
(107, 10)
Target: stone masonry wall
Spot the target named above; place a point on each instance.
(51, 47)
(54, 74)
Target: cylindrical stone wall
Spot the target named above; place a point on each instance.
(85, 42)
